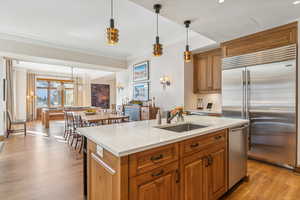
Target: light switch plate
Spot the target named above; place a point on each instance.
(99, 151)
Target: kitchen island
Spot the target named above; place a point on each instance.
(145, 161)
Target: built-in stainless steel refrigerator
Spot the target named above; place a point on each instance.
(261, 87)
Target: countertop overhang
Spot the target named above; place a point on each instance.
(128, 138)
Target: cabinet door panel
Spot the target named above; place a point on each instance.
(193, 181)
(158, 184)
(159, 189)
(201, 73)
(216, 72)
(207, 72)
(101, 182)
(218, 174)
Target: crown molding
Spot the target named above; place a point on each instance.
(33, 39)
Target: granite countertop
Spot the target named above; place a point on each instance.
(128, 138)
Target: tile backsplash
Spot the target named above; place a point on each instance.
(216, 99)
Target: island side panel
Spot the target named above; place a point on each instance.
(107, 175)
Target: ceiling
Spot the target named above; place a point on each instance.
(229, 20)
(57, 70)
(80, 25)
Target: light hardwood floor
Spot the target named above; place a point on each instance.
(40, 168)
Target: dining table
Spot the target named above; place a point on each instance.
(103, 117)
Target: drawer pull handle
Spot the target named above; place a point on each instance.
(194, 145)
(155, 158)
(218, 137)
(161, 172)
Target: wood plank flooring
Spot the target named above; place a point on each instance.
(40, 168)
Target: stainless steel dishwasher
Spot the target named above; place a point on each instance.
(238, 148)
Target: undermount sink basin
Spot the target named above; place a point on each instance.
(183, 127)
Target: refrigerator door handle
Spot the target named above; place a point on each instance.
(248, 89)
(244, 93)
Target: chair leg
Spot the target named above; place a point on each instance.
(72, 141)
(8, 130)
(69, 138)
(81, 145)
(76, 142)
(25, 129)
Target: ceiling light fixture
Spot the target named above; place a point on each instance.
(187, 52)
(157, 47)
(221, 1)
(296, 2)
(112, 32)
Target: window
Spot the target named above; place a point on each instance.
(54, 93)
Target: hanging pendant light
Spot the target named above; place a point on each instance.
(187, 52)
(112, 32)
(157, 47)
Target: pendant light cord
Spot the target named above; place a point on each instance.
(187, 36)
(111, 9)
(156, 24)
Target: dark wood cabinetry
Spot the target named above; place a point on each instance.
(207, 72)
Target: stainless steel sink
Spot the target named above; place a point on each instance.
(183, 127)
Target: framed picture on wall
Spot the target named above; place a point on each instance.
(141, 71)
(141, 91)
(100, 95)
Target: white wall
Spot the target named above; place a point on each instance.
(111, 81)
(298, 135)
(2, 103)
(171, 64)
(20, 87)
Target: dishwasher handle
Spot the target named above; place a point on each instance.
(239, 128)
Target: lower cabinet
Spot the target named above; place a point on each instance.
(158, 184)
(194, 177)
(217, 172)
(204, 175)
(194, 169)
(100, 181)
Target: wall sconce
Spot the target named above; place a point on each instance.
(120, 87)
(165, 81)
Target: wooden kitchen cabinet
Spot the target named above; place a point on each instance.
(204, 174)
(192, 169)
(158, 184)
(217, 172)
(194, 183)
(207, 72)
(100, 181)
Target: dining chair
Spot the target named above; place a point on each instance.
(12, 122)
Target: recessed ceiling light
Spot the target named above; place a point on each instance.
(221, 1)
(296, 2)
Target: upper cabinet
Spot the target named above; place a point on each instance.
(269, 39)
(207, 72)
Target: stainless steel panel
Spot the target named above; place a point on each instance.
(262, 57)
(238, 145)
(233, 92)
(272, 112)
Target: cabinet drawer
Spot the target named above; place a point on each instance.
(202, 142)
(147, 160)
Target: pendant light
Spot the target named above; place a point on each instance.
(112, 32)
(187, 53)
(157, 47)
